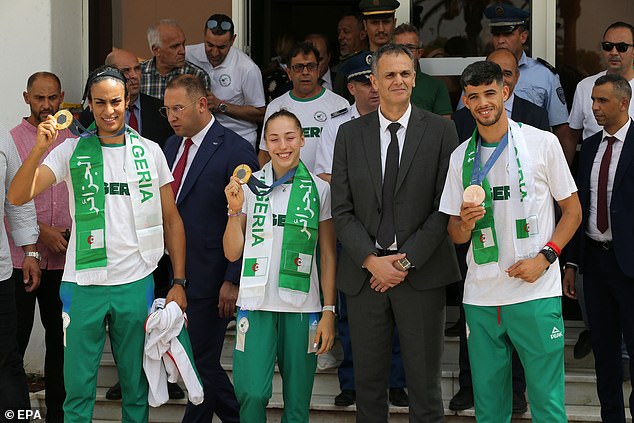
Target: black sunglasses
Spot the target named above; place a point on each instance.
(224, 25)
(620, 47)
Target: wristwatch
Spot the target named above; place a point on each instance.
(35, 254)
(550, 254)
(222, 107)
(329, 308)
(181, 282)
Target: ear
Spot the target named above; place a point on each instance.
(524, 37)
(203, 103)
(156, 50)
(25, 95)
(288, 71)
(373, 80)
(127, 101)
(233, 38)
(465, 101)
(61, 97)
(351, 88)
(505, 92)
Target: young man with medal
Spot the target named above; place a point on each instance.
(499, 195)
(276, 225)
(123, 216)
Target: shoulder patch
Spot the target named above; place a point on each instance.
(548, 65)
(339, 113)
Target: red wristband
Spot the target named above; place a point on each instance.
(555, 248)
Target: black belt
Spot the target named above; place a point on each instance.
(383, 253)
(601, 245)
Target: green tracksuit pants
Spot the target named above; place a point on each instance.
(536, 330)
(124, 308)
(263, 336)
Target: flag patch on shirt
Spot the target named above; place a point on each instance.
(524, 228)
(483, 239)
(298, 262)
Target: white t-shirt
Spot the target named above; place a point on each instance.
(125, 263)
(552, 180)
(581, 116)
(313, 113)
(278, 199)
(326, 149)
(237, 80)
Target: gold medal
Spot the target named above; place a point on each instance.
(242, 172)
(64, 118)
(473, 194)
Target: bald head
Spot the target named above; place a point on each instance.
(128, 65)
(508, 62)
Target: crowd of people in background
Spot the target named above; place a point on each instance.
(366, 195)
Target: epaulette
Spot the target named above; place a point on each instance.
(339, 113)
(548, 65)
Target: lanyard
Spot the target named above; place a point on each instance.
(259, 188)
(480, 172)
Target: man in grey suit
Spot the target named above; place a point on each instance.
(396, 257)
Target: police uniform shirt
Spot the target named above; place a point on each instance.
(313, 113)
(581, 116)
(326, 149)
(237, 80)
(541, 86)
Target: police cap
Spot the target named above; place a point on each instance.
(358, 67)
(373, 8)
(505, 18)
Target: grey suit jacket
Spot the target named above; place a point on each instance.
(421, 230)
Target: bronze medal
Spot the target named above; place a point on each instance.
(473, 194)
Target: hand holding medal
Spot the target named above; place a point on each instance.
(63, 118)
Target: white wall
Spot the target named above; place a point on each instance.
(40, 35)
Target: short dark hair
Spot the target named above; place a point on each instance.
(405, 28)
(193, 85)
(354, 14)
(620, 24)
(282, 113)
(621, 85)
(481, 73)
(304, 48)
(38, 75)
(101, 74)
(390, 48)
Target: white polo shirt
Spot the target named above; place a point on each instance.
(313, 113)
(237, 80)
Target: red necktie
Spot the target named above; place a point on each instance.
(179, 170)
(132, 122)
(602, 188)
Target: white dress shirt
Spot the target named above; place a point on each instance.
(197, 140)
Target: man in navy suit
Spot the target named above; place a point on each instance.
(523, 111)
(202, 156)
(602, 247)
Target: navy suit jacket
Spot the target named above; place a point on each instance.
(621, 204)
(154, 126)
(523, 111)
(203, 207)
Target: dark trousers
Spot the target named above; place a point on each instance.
(14, 393)
(464, 377)
(345, 372)
(420, 317)
(609, 297)
(207, 334)
(50, 305)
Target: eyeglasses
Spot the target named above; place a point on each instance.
(224, 25)
(175, 110)
(620, 47)
(299, 67)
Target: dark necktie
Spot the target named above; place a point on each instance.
(132, 122)
(179, 170)
(602, 187)
(385, 234)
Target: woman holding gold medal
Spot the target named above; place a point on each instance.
(276, 225)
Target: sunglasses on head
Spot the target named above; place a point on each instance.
(224, 25)
(620, 47)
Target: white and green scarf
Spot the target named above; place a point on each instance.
(87, 177)
(298, 243)
(521, 207)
